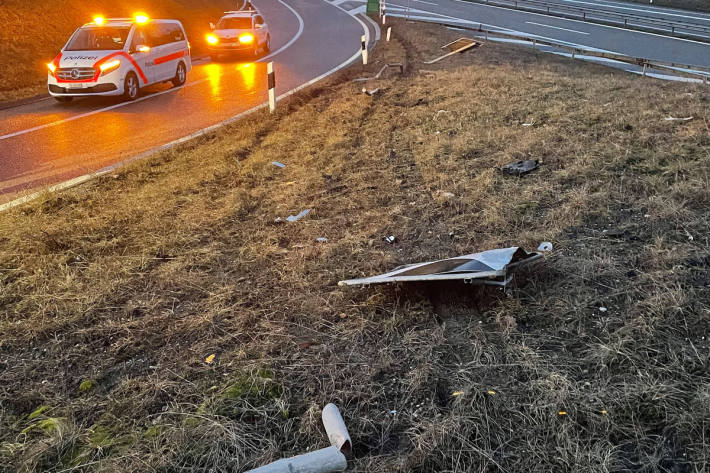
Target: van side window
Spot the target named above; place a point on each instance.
(139, 39)
(176, 33)
(155, 35)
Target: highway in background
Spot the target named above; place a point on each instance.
(46, 142)
(629, 42)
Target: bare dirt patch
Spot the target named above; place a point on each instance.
(113, 295)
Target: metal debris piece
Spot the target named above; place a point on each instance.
(377, 76)
(324, 460)
(490, 267)
(295, 218)
(458, 46)
(278, 164)
(674, 119)
(518, 168)
(336, 429)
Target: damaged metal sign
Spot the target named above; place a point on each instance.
(492, 267)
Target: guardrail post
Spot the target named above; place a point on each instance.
(645, 65)
(389, 33)
(271, 79)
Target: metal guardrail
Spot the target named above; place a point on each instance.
(682, 29)
(697, 72)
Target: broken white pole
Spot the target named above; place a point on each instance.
(271, 79)
(645, 65)
(336, 430)
(325, 460)
(389, 33)
(363, 46)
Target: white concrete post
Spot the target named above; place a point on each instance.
(389, 33)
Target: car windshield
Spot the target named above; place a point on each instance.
(98, 39)
(237, 23)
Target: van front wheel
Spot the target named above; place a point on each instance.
(131, 87)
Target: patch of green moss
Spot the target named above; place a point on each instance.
(87, 385)
(247, 394)
(153, 431)
(48, 425)
(37, 412)
(101, 436)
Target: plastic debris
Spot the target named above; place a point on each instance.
(278, 164)
(377, 76)
(391, 239)
(519, 168)
(529, 123)
(492, 267)
(322, 240)
(296, 218)
(210, 359)
(457, 393)
(603, 309)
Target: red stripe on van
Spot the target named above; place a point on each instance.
(169, 57)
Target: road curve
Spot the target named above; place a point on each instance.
(46, 143)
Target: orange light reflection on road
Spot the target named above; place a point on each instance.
(214, 77)
(248, 72)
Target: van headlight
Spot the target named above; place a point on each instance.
(109, 66)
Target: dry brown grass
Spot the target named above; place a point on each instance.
(33, 32)
(132, 280)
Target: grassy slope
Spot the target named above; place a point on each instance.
(113, 294)
(33, 32)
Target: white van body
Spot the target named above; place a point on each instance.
(118, 57)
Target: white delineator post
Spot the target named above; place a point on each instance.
(363, 43)
(389, 33)
(271, 79)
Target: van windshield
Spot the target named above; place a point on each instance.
(99, 39)
(235, 23)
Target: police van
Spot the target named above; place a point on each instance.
(241, 31)
(119, 56)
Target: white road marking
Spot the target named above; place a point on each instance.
(555, 27)
(659, 12)
(175, 89)
(375, 26)
(340, 2)
(428, 3)
(87, 177)
(361, 9)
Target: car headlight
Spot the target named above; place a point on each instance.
(246, 38)
(212, 39)
(109, 66)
